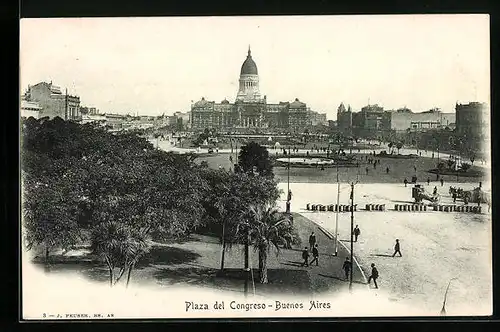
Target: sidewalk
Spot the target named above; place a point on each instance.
(328, 276)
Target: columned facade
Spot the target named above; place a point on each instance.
(250, 110)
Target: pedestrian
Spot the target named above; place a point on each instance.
(312, 240)
(373, 276)
(397, 249)
(315, 253)
(442, 182)
(428, 181)
(356, 232)
(433, 155)
(367, 171)
(387, 170)
(346, 267)
(405, 182)
(435, 191)
(305, 257)
(374, 165)
(454, 195)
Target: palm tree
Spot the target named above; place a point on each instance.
(266, 226)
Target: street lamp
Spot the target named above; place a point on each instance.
(288, 191)
(337, 214)
(352, 233)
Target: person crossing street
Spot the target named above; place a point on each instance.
(347, 267)
(315, 253)
(373, 276)
(397, 249)
(356, 232)
(305, 257)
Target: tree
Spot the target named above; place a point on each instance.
(465, 167)
(390, 145)
(399, 145)
(255, 155)
(116, 187)
(472, 158)
(266, 226)
(450, 163)
(49, 214)
(228, 196)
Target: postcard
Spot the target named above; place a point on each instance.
(255, 166)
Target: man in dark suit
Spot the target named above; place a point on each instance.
(305, 257)
(347, 267)
(315, 255)
(373, 276)
(397, 249)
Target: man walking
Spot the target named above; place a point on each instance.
(347, 267)
(397, 249)
(428, 181)
(442, 182)
(405, 182)
(305, 256)
(373, 276)
(312, 240)
(356, 233)
(315, 255)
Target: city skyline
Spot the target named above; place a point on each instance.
(124, 65)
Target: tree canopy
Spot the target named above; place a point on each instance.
(255, 155)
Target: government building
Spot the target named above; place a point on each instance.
(251, 111)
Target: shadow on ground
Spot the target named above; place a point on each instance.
(341, 279)
(380, 255)
(165, 255)
(279, 280)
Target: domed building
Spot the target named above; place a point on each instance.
(250, 110)
(249, 81)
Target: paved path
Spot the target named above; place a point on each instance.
(437, 246)
(328, 276)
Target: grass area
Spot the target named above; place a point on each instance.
(398, 170)
(196, 261)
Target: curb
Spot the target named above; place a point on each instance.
(331, 237)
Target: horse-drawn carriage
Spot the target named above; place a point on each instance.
(419, 194)
(475, 195)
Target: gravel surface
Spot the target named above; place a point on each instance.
(436, 246)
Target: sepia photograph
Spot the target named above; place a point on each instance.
(255, 166)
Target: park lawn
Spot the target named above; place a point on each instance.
(399, 169)
(195, 261)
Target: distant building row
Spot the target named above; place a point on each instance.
(47, 100)
(470, 119)
(374, 119)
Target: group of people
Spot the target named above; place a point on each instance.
(314, 251)
(347, 265)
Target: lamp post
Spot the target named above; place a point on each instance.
(288, 181)
(337, 214)
(352, 233)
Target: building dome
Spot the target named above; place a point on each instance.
(249, 67)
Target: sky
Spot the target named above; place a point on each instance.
(160, 65)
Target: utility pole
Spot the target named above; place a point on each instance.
(247, 269)
(66, 105)
(223, 244)
(352, 231)
(337, 214)
(288, 191)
